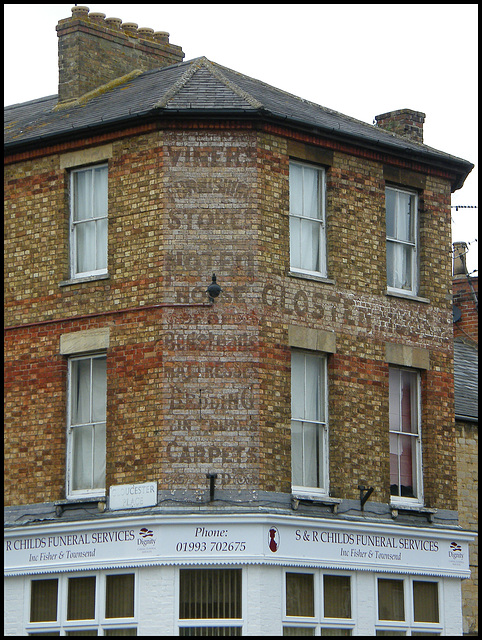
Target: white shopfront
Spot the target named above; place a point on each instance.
(236, 574)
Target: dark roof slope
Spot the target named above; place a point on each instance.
(201, 87)
(466, 378)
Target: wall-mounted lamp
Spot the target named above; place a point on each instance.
(214, 289)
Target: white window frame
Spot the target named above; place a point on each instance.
(410, 244)
(319, 621)
(211, 622)
(409, 625)
(307, 490)
(74, 224)
(78, 493)
(100, 623)
(321, 222)
(417, 472)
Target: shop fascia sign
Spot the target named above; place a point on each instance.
(197, 539)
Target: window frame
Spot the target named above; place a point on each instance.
(409, 625)
(183, 623)
(323, 242)
(323, 427)
(70, 492)
(417, 473)
(414, 262)
(319, 621)
(99, 623)
(74, 274)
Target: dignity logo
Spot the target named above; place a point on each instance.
(455, 551)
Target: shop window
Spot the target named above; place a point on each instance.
(317, 603)
(210, 595)
(309, 435)
(402, 240)
(405, 440)
(307, 219)
(88, 221)
(408, 606)
(90, 605)
(87, 426)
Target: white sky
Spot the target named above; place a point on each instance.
(359, 59)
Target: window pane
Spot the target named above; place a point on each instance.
(100, 192)
(314, 406)
(99, 389)
(80, 391)
(85, 242)
(43, 600)
(82, 458)
(404, 230)
(81, 599)
(295, 242)
(335, 632)
(386, 632)
(297, 385)
(82, 195)
(297, 453)
(310, 245)
(298, 631)
(391, 202)
(390, 600)
(425, 601)
(84, 632)
(210, 593)
(312, 455)
(336, 596)
(399, 266)
(120, 632)
(101, 244)
(296, 191)
(311, 193)
(300, 598)
(119, 598)
(99, 457)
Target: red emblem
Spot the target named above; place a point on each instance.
(273, 541)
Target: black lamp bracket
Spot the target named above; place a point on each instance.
(365, 493)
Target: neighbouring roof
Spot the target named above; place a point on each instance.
(466, 380)
(196, 88)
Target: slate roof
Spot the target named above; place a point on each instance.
(466, 380)
(195, 88)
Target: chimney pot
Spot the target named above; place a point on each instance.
(80, 11)
(460, 261)
(113, 23)
(97, 17)
(145, 32)
(161, 36)
(130, 28)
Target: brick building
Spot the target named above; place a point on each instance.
(466, 339)
(275, 460)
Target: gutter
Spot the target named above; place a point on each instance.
(461, 167)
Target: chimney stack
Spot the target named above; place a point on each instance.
(460, 261)
(95, 50)
(403, 122)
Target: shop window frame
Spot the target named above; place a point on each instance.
(99, 623)
(409, 626)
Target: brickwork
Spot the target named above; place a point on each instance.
(465, 292)
(94, 51)
(467, 478)
(199, 389)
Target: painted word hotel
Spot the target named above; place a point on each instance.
(228, 356)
